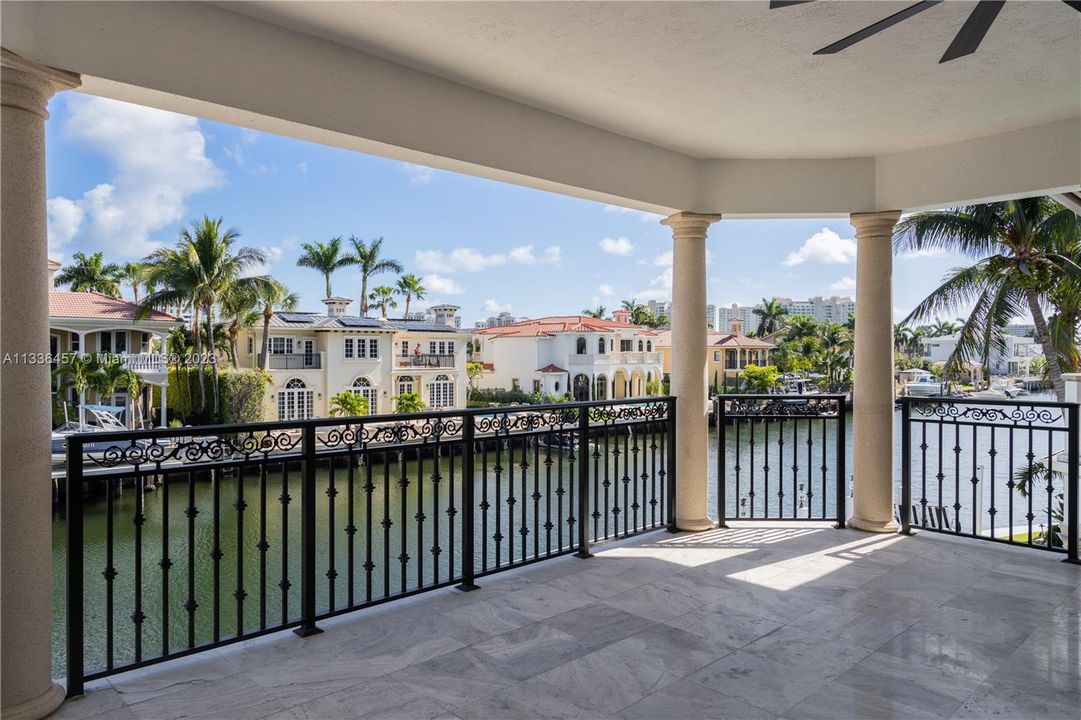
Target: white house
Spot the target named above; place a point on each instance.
(590, 358)
(314, 357)
(1016, 360)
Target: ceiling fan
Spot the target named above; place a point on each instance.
(966, 41)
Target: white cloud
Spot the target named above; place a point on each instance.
(418, 174)
(249, 136)
(302, 167)
(825, 246)
(845, 283)
(660, 288)
(65, 217)
(640, 214)
(606, 290)
(159, 160)
(495, 307)
(467, 260)
(436, 283)
(616, 246)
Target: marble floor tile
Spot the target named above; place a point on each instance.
(380, 698)
(683, 699)
(458, 677)
(237, 696)
(840, 701)
(799, 648)
(607, 681)
(680, 652)
(923, 687)
(759, 681)
(1006, 700)
(848, 626)
(654, 603)
(726, 626)
(533, 698)
(533, 649)
(599, 624)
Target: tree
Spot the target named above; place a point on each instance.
(1024, 251)
(134, 274)
(273, 296)
(473, 371)
(382, 297)
(640, 314)
(761, 379)
(366, 256)
(409, 402)
(76, 372)
(600, 312)
(770, 314)
(240, 307)
(89, 273)
(324, 257)
(349, 404)
(409, 286)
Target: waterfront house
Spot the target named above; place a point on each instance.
(93, 322)
(313, 357)
(727, 353)
(588, 358)
(1014, 358)
(735, 110)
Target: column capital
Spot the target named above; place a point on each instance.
(690, 223)
(874, 223)
(27, 85)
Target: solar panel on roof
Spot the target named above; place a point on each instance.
(359, 322)
(295, 317)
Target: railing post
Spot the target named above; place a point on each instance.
(906, 468)
(722, 462)
(307, 537)
(75, 621)
(1072, 505)
(583, 482)
(468, 505)
(670, 479)
(842, 410)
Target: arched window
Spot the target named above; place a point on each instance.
(405, 385)
(600, 346)
(441, 392)
(602, 388)
(640, 345)
(363, 387)
(581, 346)
(556, 386)
(295, 401)
(649, 346)
(581, 387)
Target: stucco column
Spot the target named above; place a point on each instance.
(26, 686)
(872, 392)
(688, 381)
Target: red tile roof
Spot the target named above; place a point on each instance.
(552, 369)
(96, 305)
(559, 324)
(720, 339)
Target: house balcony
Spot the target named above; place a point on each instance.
(145, 363)
(294, 361)
(424, 361)
(616, 358)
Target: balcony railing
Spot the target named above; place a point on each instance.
(256, 528)
(144, 362)
(424, 360)
(1004, 471)
(294, 361)
(781, 457)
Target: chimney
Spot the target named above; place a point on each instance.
(735, 327)
(337, 306)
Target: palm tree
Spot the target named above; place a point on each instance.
(76, 372)
(134, 274)
(640, 314)
(944, 327)
(273, 296)
(91, 273)
(797, 327)
(769, 316)
(1024, 251)
(111, 375)
(366, 257)
(409, 286)
(382, 297)
(324, 257)
(241, 307)
(600, 312)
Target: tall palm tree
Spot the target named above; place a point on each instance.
(382, 297)
(640, 314)
(1024, 251)
(599, 312)
(273, 296)
(91, 273)
(324, 257)
(409, 286)
(366, 257)
(240, 307)
(769, 315)
(134, 274)
(944, 327)
(111, 376)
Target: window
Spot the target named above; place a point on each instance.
(640, 344)
(281, 345)
(601, 388)
(649, 346)
(405, 348)
(75, 343)
(515, 384)
(600, 346)
(536, 386)
(363, 387)
(627, 345)
(556, 386)
(120, 342)
(405, 385)
(450, 347)
(361, 348)
(144, 343)
(730, 359)
(581, 346)
(251, 344)
(440, 347)
(716, 356)
(441, 392)
(105, 342)
(295, 401)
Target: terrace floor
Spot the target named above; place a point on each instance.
(791, 621)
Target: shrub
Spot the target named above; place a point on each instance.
(243, 394)
(349, 404)
(409, 403)
(761, 379)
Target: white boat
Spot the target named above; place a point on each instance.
(925, 387)
(1001, 391)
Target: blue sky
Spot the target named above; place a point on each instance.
(124, 179)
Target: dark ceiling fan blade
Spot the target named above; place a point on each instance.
(774, 4)
(971, 34)
(877, 27)
(1075, 4)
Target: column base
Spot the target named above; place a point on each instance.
(873, 526)
(38, 707)
(687, 525)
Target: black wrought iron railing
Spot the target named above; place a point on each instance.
(424, 360)
(182, 540)
(999, 470)
(294, 361)
(780, 457)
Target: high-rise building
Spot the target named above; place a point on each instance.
(711, 317)
(503, 318)
(832, 309)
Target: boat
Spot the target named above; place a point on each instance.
(922, 383)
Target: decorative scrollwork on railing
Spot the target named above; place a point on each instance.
(780, 407)
(506, 423)
(625, 413)
(192, 449)
(434, 428)
(1014, 414)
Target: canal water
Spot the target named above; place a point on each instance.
(427, 552)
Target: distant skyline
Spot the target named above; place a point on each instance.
(124, 179)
